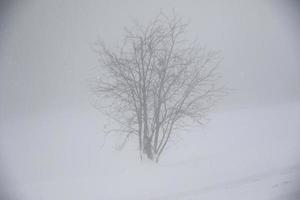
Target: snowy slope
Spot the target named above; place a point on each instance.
(243, 154)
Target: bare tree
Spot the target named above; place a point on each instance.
(155, 81)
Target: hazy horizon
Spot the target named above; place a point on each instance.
(46, 53)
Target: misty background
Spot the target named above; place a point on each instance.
(48, 125)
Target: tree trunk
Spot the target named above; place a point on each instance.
(147, 150)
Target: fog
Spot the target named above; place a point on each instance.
(48, 125)
(46, 47)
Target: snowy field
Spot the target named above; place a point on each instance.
(243, 154)
(52, 144)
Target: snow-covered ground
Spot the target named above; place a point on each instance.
(243, 154)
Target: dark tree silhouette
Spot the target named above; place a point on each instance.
(156, 80)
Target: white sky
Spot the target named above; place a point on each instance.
(45, 52)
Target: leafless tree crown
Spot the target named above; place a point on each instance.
(156, 80)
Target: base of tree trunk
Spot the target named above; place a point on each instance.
(147, 149)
